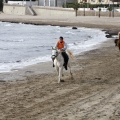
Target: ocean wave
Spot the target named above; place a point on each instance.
(9, 67)
(4, 49)
(8, 40)
(8, 25)
(69, 32)
(31, 44)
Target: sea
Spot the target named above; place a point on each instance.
(23, 45)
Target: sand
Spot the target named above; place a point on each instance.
(33, 93)
(81, 21)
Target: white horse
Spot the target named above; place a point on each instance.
(59, 61)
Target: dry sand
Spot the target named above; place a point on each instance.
(94, 94)
(87, 21)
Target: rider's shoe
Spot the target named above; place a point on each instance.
(65, 67)
(53, 65)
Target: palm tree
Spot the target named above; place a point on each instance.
(99, 7)
(1, 5)
(76, 5)
(110, 9)
(113, 8)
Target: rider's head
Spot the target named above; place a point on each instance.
(61, 39)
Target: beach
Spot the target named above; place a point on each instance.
(111, 23)
(92, 94)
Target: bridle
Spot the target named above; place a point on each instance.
(54, 56)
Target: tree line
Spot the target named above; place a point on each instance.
(1, 5)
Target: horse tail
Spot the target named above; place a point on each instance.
(70, 54)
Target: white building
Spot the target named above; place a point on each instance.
(100, 1)
(55, 3)
(22, 2)
(51, 3)
(59, 3)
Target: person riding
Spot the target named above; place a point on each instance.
(61, 45)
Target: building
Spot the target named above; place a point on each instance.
(100, 1)
(55, 3)
(59, 3)
(50, 3)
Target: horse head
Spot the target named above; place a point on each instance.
(55, 53)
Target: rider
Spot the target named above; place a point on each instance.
(61, 45)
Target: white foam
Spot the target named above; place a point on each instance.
(69, 32)
(9, 67)
(19, 40)
(8, 25)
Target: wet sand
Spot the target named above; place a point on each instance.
(94, 94)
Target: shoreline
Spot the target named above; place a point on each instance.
(41, 68)
(93, 94)
(17, 74)
(14, 70)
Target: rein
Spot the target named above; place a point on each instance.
(54, 56)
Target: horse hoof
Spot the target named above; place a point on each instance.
(62, 81)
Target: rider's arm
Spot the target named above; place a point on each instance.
(65, 47)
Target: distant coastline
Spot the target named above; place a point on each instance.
(80, 21)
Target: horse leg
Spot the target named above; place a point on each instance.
(70, 71)
(119, 45)
(116, 40)
(60, 74)
(57, 69)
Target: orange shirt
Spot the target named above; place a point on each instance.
(60, 45)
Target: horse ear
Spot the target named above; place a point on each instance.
(53, 48)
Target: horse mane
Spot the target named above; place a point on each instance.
(70, 54)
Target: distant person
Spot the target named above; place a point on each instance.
(61, 45)
(116, 41)
(118, 35)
